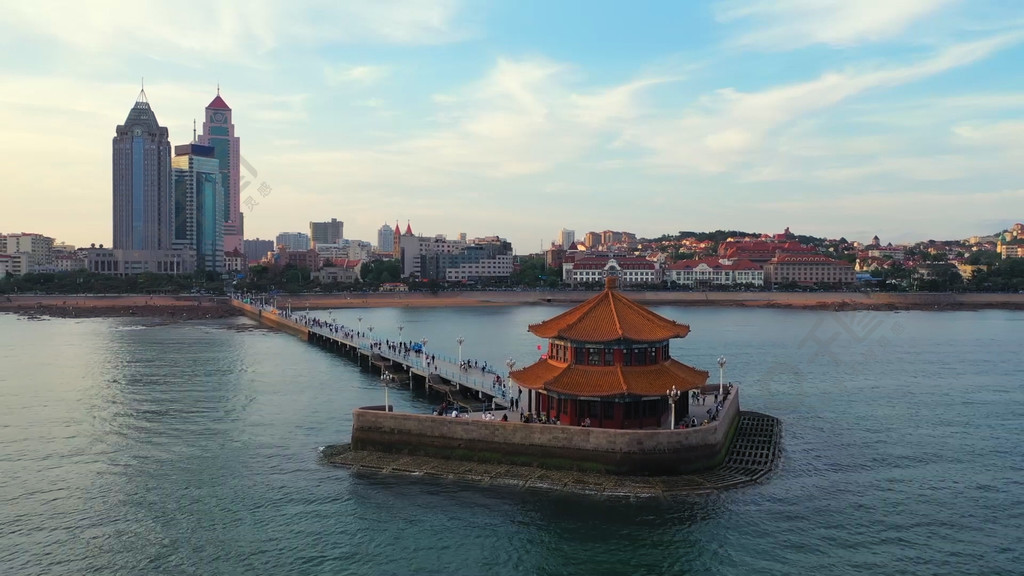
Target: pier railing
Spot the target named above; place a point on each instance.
(475, 378)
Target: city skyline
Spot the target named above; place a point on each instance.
(519, 119)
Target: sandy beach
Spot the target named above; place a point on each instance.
(201, 307)
(172, 308)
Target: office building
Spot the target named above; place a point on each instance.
(326, 232)
(219, 132)
(142, 181)
(293, 241)
(198, 205)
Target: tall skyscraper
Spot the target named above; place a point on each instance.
(326, 232)
(199, 205)
(566, 238)
(142, 181)
(219, 132)
(385, 239)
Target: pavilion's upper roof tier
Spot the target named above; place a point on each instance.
(602, 381)
(608, 317)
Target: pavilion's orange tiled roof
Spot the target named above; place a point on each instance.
(607, 317)
(603, 381)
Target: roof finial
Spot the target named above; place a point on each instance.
(218, 88)
(193, 130)
(143, 82)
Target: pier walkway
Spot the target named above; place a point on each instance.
(402, 362)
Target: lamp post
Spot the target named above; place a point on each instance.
(721, 374)
(511, 363)
(672, 395)
(400, 328)
(459, 341)
(384, 383)
(360, 320)
(423, 351)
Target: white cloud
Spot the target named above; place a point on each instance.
(785, 24)
(241, 31)
(730, 129)
(364, 75)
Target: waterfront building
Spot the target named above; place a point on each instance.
(326, 232)
(69, 262)
(257, 249)
(345, 250)
(342, 271)
(808, 269)
(566, 238)
(592, 240)
(235, 261)
(760, 251)
(29, 252)
(306, 259)
(199, 205)
(591, 268)
(293, 241)
(608, 361)
(709, 272)
(127, 262)
(142, 181)
(483, 259)
(6, 265)
(219, 132)
(386, 239)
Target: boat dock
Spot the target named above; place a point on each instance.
(397, 362)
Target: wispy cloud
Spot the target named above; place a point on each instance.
(363, 75)
(729, 128)
(241, 31)
(786, 24)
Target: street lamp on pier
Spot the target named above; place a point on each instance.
(672, 396)
(721, 374)
(511, 363)
(423, 351)
(459, 341)
(384, 383)
(400, 328)
(360, 320)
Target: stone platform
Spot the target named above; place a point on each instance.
(753, 454)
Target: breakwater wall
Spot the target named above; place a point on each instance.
(637, 452)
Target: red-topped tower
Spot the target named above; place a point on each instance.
(608, 360)
(219, 132)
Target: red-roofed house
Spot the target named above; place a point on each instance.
(808, 269)
(341, 271)
(714, 272)
(760, 250)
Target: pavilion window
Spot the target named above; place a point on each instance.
(608, 410)
(594, 356)
(609, 356)
(580, 356)
(652, 355)
(627, 357)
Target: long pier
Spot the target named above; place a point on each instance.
(398, 362)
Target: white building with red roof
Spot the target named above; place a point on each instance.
(634, 271)
(808, 269)
(707, 272)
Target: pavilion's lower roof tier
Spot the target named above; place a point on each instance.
(599, 381)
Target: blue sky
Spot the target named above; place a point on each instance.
(900, 118)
